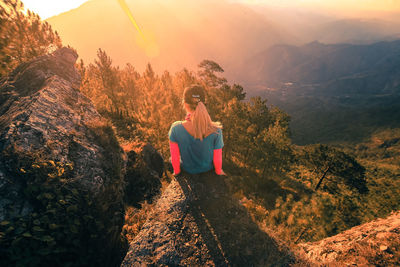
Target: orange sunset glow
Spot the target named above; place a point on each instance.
(173, 34)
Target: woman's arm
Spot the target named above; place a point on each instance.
(175, 157)
(217, 159)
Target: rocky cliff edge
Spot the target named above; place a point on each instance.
(61, 169)
(376, 243)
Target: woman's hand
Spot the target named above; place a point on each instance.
(222, 173)
(177, 174)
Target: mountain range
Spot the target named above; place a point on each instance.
(336, 69)
(334, 93)
(186, 32)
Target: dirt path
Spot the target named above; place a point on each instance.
(197, 222)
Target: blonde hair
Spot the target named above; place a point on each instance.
(201, 120)
(202, 123)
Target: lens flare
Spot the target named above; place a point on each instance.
(145, 40)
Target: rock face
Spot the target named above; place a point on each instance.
(196, 222)
(61, 168)
(376, 243)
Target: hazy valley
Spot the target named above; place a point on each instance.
(334, 93)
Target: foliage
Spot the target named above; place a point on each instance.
(308, 215)
(381, 157)
(62, 229)
(68, 225)
(207, 73)
(22, 36)
(334, 165)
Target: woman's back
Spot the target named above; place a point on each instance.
(196, 143)
(196, 154)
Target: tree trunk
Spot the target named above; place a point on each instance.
(227, 148)
(300, 236)
(322, 178)
(263, 172)
(247, 154)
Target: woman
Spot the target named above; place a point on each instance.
(196, 143)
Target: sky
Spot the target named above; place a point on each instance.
(48, 8)
(340, 5)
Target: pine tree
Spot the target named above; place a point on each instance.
(329, 162)
(108, 75)
(23, 36)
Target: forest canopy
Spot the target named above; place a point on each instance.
(23, 36)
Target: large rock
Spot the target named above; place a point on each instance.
(61, 169)
(196, 222)
(144, 170)
(376, 243)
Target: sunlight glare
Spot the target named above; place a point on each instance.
(145, 40)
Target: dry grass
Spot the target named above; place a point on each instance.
(366, 253)
(136, 217)
(134, 220)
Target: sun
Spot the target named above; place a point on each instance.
(49, 8)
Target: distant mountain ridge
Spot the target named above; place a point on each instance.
(334, 69)
(356, 31)
(306, 25)
(186, 32)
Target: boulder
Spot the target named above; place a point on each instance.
(375, 243)
(144, 170)
(61, 169)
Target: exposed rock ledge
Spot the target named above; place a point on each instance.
(376, 243)
(196, 222)
(61, 169)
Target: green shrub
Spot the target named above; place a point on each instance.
(61, 230)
